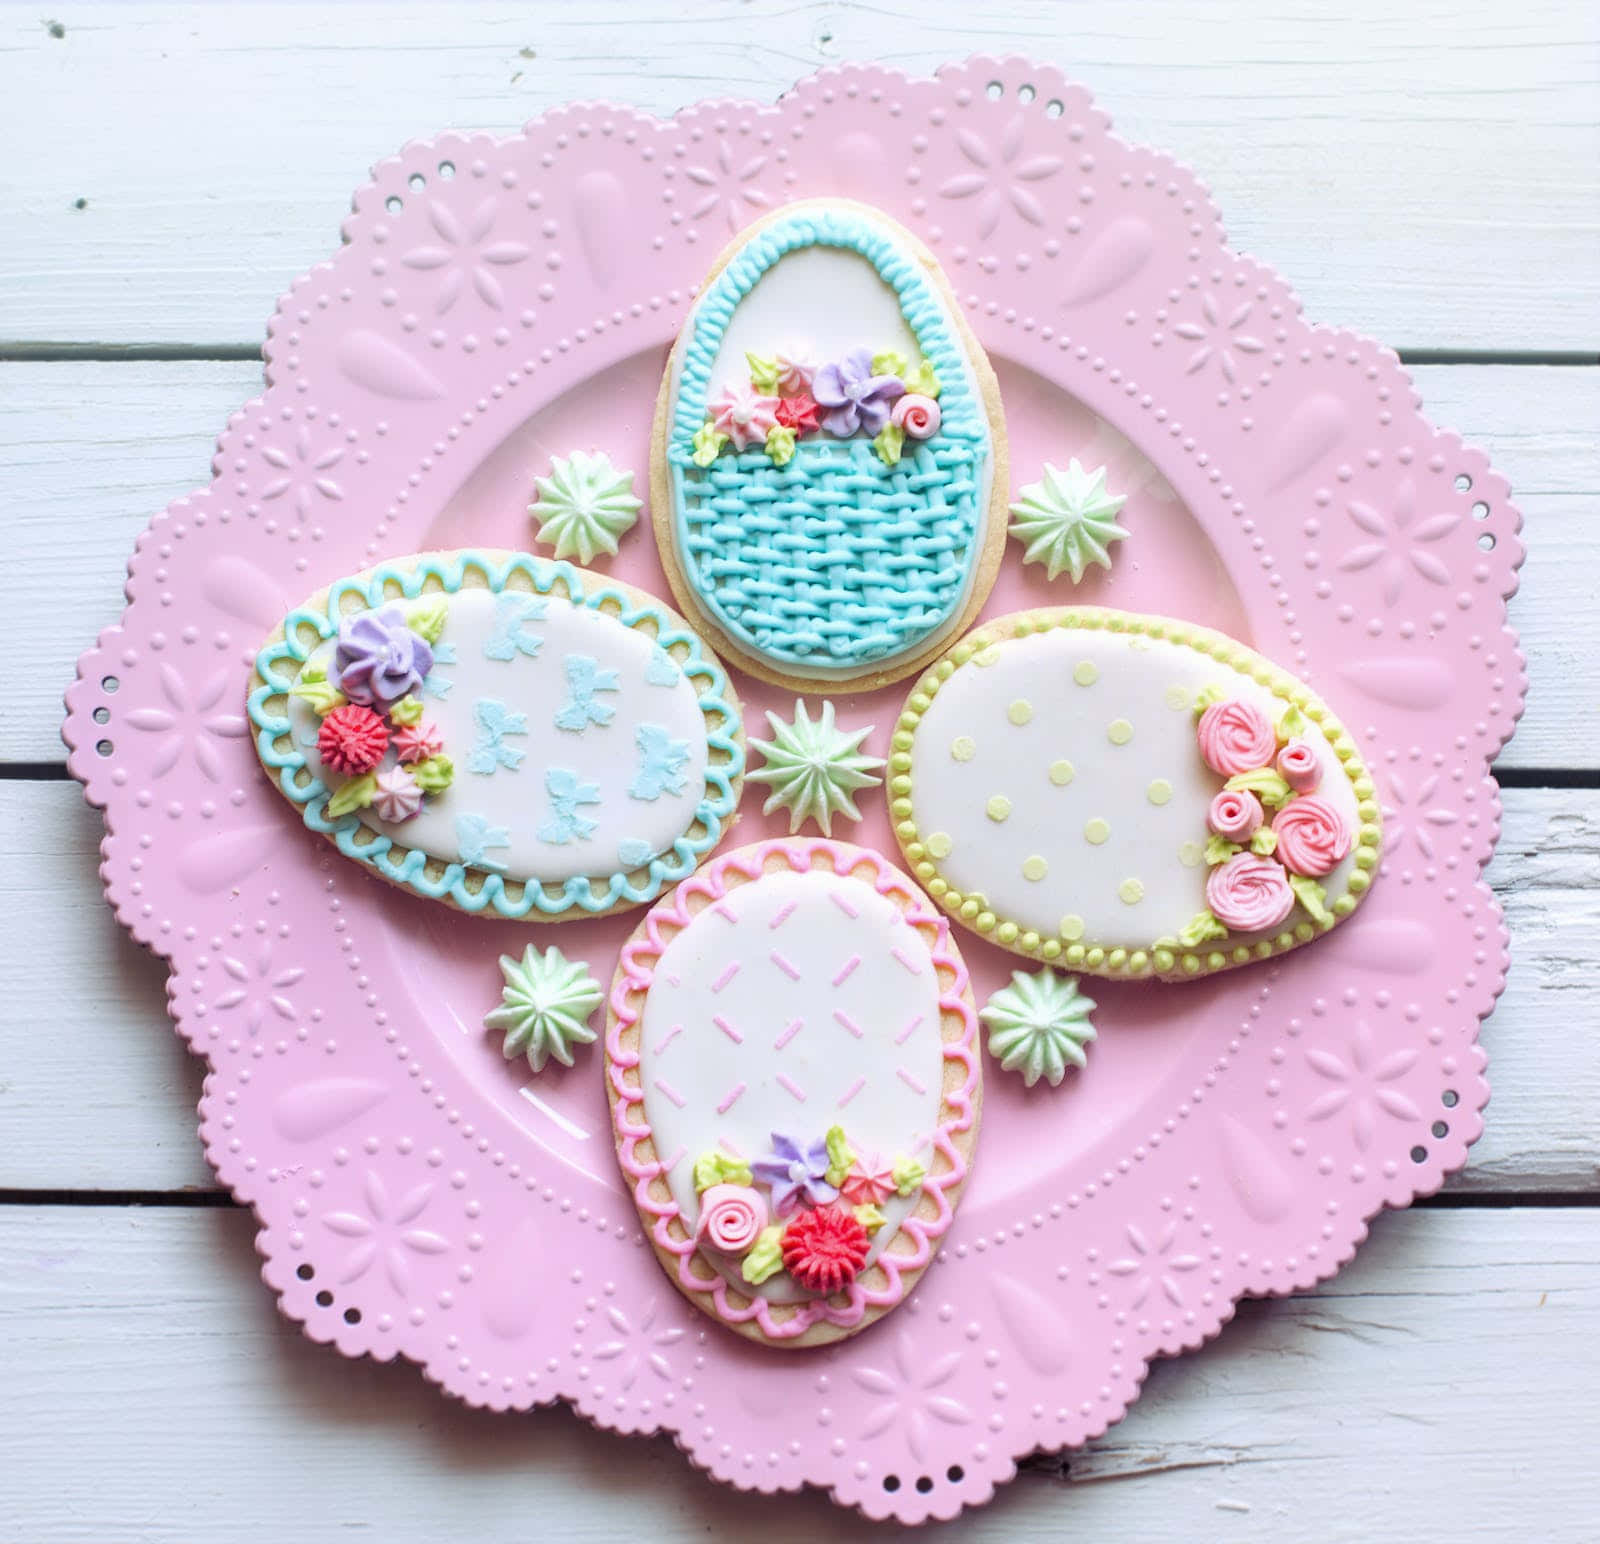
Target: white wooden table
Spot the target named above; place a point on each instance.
(1428, 172)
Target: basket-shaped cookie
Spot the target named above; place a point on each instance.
(852, 535)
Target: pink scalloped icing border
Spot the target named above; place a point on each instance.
(635, 974)
(1103, 271)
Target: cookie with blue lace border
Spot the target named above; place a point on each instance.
(511, 736)
(828, 463)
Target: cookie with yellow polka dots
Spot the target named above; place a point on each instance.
(1130, 795)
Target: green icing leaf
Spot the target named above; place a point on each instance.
(356, 794)
(708, 443)
(870, 1217)
(717, 1168)
(313, 673)
(890, 441)
(1264, 842)
(407, 711)
(1219, 849)
(435, 774)
(1201, 928)
(839, 1156)
(1312, 897)
(1206, 696)
(923, 381)
(765, 1258)
(889, 362)
(1266, 784)
(426, 617)
(763, 372)
(321, 695)
(780, 444)
(1291, 724)
(907, 1174)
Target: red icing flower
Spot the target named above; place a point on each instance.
(417, 742)
(824, 1249)
(352, 740)
(799, 413)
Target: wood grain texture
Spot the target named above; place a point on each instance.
(96, 1092)
(97, 448)
(1426, 173)
(1398, 1402)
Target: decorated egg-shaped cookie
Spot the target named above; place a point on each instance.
(795, 1083)
(512, 736)
(1130, 795)
(828, 470)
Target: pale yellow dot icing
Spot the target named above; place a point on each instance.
(998, 807)
(1159, 791)
(1131, 891)
(1072, 927)
(1190, 854)
(1020, 711)
(986, 657)
(1119, 731)
(940, 845)
(1178, 698)
(1061, 773)
(1085, 672)
(1097, 830)
(1035, 867)
(963, 748)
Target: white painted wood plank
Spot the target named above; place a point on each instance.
(96, 1092)
(1440, 1388)
(91, 450)
(1425, 172)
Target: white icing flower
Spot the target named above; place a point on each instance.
(545, 1006)
(585, 505)
(1068, 520)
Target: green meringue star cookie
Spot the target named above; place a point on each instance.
(545, 1006)
(584, 506)
(814, 769)
(1039, 1025)
(1068, 520)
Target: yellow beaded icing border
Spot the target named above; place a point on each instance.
(1166, 956)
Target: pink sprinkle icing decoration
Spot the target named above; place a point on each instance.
(850, 1093)
(787, 1033)
(848, 1024)
(725, 976)
(847, 969)
(785, 965)
(789, 1086)
(727, 1028)
(730, 1098)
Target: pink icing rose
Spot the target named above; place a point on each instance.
(1299, 766)
(1235, 737)
(731, 1218)
(1312, 836)
(919, 416)
(1234, 814)
(744, 415)
(417, 742)
(1248, 894)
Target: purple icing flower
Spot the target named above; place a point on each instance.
(796, 1174)
(858, 399)
(379, 659)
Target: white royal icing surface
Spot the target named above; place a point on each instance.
(827, 301)
(969, 750)
(516, 801)
(780, 952)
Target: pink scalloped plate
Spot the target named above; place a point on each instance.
(499, 301)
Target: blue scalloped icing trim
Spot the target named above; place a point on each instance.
(578, 893)
(964, 436)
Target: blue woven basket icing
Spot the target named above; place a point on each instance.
(837, 559)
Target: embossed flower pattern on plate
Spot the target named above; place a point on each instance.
(1002, 177)
(912, 1391)
(1361, 1080)
(190, 721)
(464, 253)
(382, 1233)
(1399, 545)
